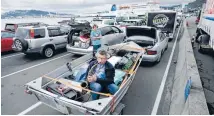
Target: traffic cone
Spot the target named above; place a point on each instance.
(187, 24)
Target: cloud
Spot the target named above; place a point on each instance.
(72, 6)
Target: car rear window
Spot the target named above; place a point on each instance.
(22, 33)
(39, 33)
(25, 33)
(106, 31)
(10, 27)
(98, 22)
(109, 22)
(55, 32)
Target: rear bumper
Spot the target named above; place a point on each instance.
(150, 58)
(29, 50)
(206, 47)
(79, 51)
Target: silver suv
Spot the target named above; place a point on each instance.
(41, 39)
(79, 41)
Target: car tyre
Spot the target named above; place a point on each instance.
(27, 54)
(167, 46)
(21, 45)
(121, 112)
(159, 59)
(200, 49)
(48, 52)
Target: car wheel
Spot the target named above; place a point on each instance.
(20, 44)
(121, 112)
(200, 49)
(196, 38)
(167, 46)
(48, 52)
(27, 54)
(159, 58)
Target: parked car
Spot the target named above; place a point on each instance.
(154, 41)
(39, 39)
(133, 22)
(14, 26)
(64, 22)
(82, 21)
(103, 22)
(79, 40)
(6, 40)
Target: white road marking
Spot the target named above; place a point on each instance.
(160, 91)
(12, 55)
(30, 108)
(34, 66)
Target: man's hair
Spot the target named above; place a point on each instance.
(103, 52)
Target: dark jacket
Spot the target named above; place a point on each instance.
(109, 72)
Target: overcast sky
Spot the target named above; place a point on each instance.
(71, 6)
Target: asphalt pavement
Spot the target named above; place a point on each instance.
(205, 63)
(18, 69)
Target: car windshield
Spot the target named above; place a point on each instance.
(98, 22)
(7, 34)
(109, 22)
(22, 33)
(129, 23)
(119, 19)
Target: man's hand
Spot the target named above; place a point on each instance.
(92, 78)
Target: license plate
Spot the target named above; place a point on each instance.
(76, 44)
(83, 45)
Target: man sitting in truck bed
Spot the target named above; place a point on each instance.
(100, 75)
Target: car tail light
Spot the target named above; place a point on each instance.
(28, 92)
(31, 34)
(151, 52)
(197, 20)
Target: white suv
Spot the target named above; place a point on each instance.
(39, 39)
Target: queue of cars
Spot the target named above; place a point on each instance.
(75, 37)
